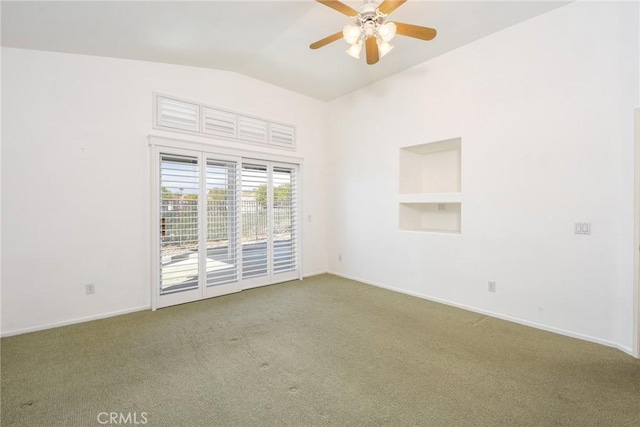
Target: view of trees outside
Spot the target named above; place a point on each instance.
(281, 194)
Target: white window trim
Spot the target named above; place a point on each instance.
(192, 142)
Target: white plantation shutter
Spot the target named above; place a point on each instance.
(252, 130)
(255, 220)
(175, 114)
(217, 122)
(223, 223)
(223, 229)
(285, 219)
(281, 135)
(179, 195)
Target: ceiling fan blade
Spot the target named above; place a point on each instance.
(325, 41)
(373, 55)
(388, 6)
(415, 31)
(340, 7)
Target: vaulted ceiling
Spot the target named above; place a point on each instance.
(267, 40)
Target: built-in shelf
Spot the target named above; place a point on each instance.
(435, 217)
(430, 185)
(430, 198)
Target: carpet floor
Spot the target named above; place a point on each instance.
(324, 351)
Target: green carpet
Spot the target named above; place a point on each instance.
(323, 351)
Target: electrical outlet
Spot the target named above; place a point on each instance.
(492, 286)
(582, 228)
(90, 288)
(340, 257)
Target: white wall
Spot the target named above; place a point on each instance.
(545, 112)
(76, 178)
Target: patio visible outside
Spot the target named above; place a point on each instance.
(179, 241)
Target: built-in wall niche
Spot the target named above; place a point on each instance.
(431, 168)
(434, 217)
(430, 187)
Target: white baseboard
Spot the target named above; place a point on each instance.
(317, 273)
(73, 321)
(492, 314)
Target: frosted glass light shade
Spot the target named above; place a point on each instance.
(384, 47)
(354, 50)
(387, 31)
(351, 33)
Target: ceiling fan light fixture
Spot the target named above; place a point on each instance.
(351, 33)
(354, 50)
(371, 29)
(387, 31)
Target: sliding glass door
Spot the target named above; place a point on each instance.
(222, 227)
(269, 223)
(285, 221)
(255, 224)
(179, 224)
(223, 224)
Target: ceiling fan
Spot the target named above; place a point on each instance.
(372, 29)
